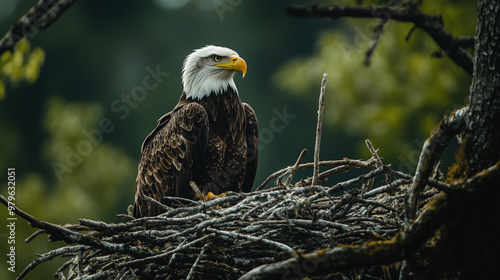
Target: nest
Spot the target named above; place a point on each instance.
(228, 236)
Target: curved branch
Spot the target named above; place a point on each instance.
(431, 152)
(433, 25)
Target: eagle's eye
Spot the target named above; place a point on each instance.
(216, 58)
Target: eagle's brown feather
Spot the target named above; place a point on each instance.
(212, 141)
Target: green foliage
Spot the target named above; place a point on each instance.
(83, 166)
(20, 65)
(395, 101)
(98, 187)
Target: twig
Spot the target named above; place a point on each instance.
(35, 234)
(195, 264)
(319, 125)
(342, 185)
(325, 174)
(236, 235)
(374, 153)
(378, 32)
(162, 256)
(352, 162)
(385, 188)
(413, 28)
(295, 167)
(378, 163)
(49, 256)
(156, 203)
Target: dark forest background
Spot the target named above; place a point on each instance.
(80, 79)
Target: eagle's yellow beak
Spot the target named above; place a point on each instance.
(237, 64)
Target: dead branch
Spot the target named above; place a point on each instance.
(378, 32)
(294, 168)
(351, 163)
(319, 125)
(433, 147)
(432, 25)
(40, 16)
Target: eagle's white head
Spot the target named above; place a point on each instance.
(210, 70)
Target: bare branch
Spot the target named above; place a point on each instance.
(433, 25)
(431, 152)
(40, 16)
(378, 32)
(295, 167)
(50, 255)
(353, 163)
(319, 125)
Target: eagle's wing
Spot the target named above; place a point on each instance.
(168, 155)
(252, 134)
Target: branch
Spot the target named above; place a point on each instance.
(431, 152)
(433, 25)
(352, 163)
(319, 125)
(295, 167)
(378, 161)
(50, 255)
(57, 232)
(378, 32)
(40, 16)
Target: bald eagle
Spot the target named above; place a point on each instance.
(210, 137)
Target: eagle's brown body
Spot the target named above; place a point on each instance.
(212, 141)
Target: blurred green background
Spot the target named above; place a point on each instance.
(72, 129)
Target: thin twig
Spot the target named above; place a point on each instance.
(278, 245)
(378, 32)
(49, 256)
(353, 162)
(195, 264)
(378, 163)
(295, 167)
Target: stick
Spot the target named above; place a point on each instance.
(40, 16)
(295, 167)
(353, 162)
(195, 264)
(431, 152)
(378, 163)
(319, 126)
(49, 256)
